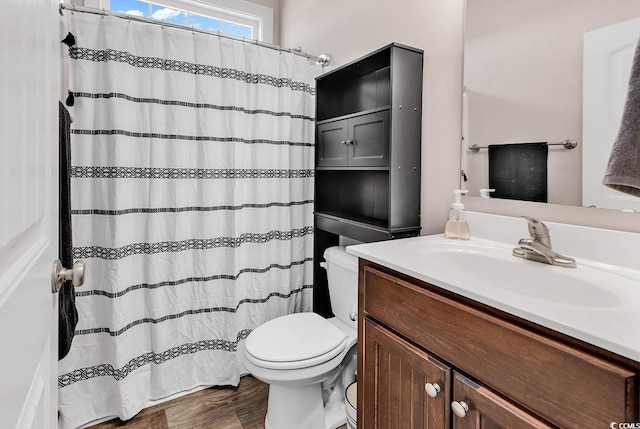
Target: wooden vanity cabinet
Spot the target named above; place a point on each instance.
(508, 372)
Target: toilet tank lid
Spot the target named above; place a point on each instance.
(337, 255)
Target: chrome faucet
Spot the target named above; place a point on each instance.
(538, 246)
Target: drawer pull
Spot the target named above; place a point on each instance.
(432, 389)
(460, 408)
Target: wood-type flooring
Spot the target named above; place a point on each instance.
(227, 407)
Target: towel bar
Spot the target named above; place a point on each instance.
(568, 144)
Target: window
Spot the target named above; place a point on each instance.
(234, 17)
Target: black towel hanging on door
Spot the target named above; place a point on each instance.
(67, 312)
(518, 171)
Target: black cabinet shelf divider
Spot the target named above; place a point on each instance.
(353, 115)
(367, 222)
(356, 168)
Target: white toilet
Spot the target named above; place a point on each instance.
(308, 360)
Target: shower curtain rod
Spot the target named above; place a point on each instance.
(322, 59)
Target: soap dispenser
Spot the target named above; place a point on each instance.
(457, 227)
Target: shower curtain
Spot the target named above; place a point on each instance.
(192, 188)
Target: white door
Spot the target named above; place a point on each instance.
(608, 56)
(29, 84)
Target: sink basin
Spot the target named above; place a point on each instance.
(492, 266)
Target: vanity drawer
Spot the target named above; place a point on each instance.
(566, 386)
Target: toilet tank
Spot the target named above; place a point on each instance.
(342, 275)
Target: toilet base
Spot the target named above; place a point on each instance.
(335, 415)
(301, 407)
(295, 407)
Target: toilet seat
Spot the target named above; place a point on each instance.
(298, 340)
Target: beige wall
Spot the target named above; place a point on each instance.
(275, 5)
(350, 29)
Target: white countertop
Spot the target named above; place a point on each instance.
(598, 302)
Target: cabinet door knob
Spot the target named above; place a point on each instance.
(353, 316)
(432, 389)
(460, 408)
(343, 142)
(348, 142)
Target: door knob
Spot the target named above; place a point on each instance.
(60, 274)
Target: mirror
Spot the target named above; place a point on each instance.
(523, 83)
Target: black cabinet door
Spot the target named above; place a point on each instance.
(368, 140)
(331, 144)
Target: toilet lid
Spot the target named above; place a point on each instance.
(295, 337)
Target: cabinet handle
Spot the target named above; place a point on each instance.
(348, 142)
(460, 408)
(432, 389)
(343, 142)
(353, 316)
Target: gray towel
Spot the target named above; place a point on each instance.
(623, 170)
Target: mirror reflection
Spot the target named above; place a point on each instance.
(545, 71)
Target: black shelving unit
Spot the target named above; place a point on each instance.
(367, 169)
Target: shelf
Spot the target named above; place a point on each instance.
(377, 58)
(359, 193)
(362, 87)
(369, 222)
(352, 168)
(359, 229)
(353, 115)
